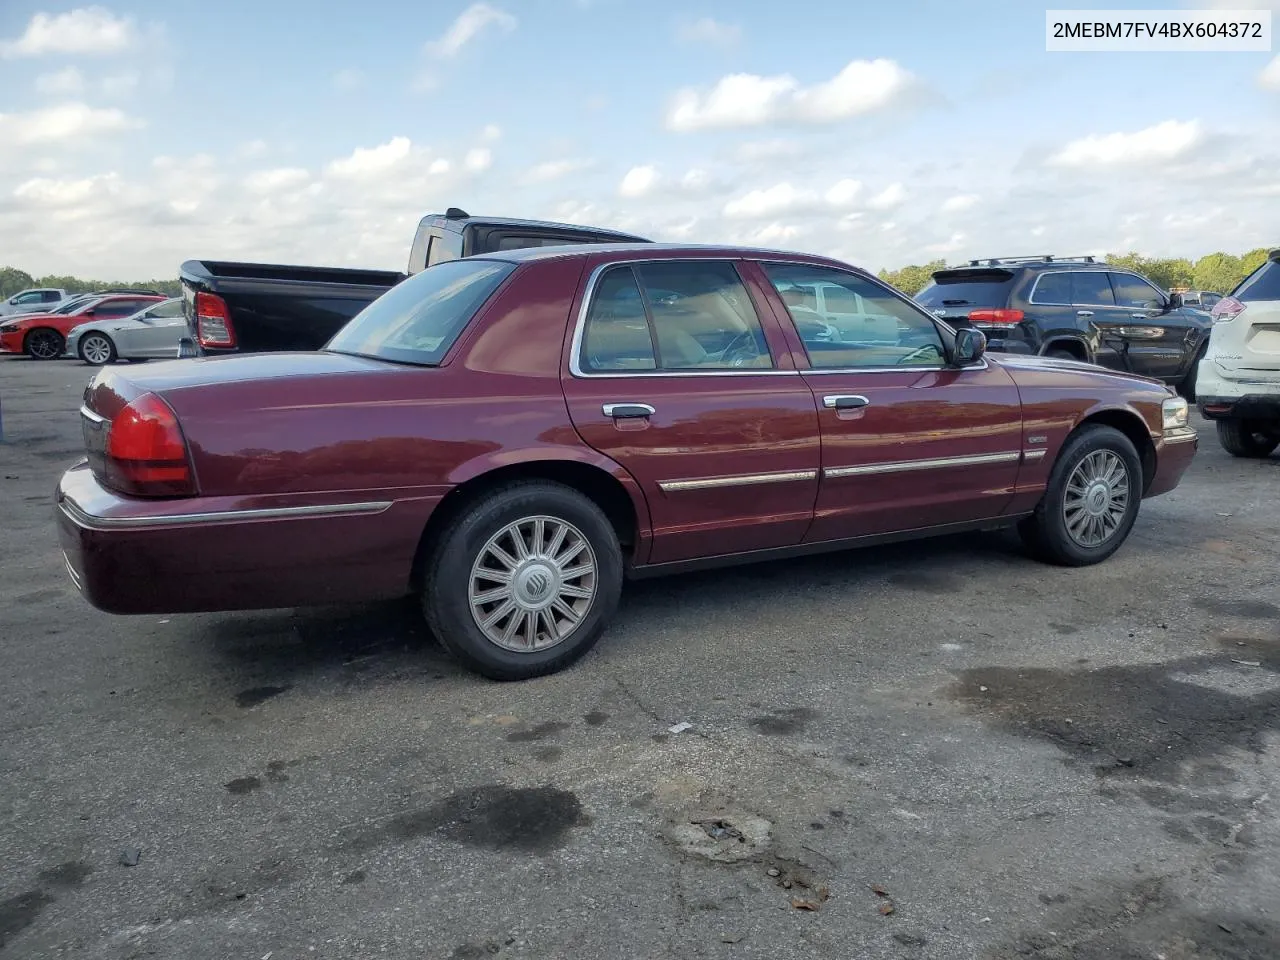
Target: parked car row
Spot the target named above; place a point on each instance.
(99, 329)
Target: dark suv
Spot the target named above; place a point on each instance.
(1074, 308)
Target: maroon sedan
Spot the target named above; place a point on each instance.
(510, 435)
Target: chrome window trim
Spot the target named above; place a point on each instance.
(83, 518)
(580, 326)
(580, 323)
(1031, 296)
(933, 463)
(748, 479)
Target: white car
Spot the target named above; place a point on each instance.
(32, 300)
(1238, 384)
(150, 334)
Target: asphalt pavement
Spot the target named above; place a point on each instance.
(935, 750)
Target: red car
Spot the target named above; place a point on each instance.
(43, 336)
(510, 435)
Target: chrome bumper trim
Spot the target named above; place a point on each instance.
(91, 521)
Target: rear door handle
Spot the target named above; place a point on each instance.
(622, 411)
(1084, 313)
(845, 401)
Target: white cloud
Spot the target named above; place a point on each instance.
(46, 192)
(65, 82)
(709, 31)
(439, 166)
(84, 31)
(750, 100)
(556, 169)
(771, 202)
(470, 24)
(280, 178)
(960, 202)
(348, 79)
(891, 196)
(1158, 144)
(638, 181)
(844, 193)
(1269, 78)
(371, 161)
(492, 133)
(478, 159)
(62, 122)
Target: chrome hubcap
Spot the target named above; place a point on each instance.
(1096, 499)
(97, 350)
(532, 583)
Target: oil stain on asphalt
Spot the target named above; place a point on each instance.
(540, 732)
(785, 723)
(1145, 718)
(534, 820)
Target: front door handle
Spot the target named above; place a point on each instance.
(623, 411)
(845, 401)
(1084, 313)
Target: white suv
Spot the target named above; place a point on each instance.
(1238, 383)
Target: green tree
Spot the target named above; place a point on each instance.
(1219, 272)
(12, 280)
(911, 279)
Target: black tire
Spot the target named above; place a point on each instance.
(1188, 386)
(44, 344)
(1045, 532)
(111, 348)
(1248, 438)
(448, 570)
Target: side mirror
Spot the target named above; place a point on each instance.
(1175, 301)
(969, 347)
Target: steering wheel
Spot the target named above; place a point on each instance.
(740, 350)
(928, 351)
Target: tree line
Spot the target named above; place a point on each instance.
(12, 280)
(1219, 272)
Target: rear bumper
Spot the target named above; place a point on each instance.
(204, 554)
(1220, 398)
(1173, 457)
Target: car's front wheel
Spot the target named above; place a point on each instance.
(1248, 438)
(1091, 501)
(523, 581)
(97, 349)
(44, 344)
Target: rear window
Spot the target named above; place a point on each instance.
(966, 288)
(418, 319)
(1262, 284)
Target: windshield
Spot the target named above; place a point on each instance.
(418, 320)
(75, 305)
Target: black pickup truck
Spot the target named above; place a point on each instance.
(258, 307)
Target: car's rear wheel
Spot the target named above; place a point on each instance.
(523, 581)
(1091, 501)
(97, 349)
(1248, 438)
(44, 344)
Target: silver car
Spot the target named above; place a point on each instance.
(33, 300)
(149, 334)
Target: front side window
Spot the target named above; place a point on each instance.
(678, 315)
(167, 310)
(27, 298)
(1133, 291)
(418, 319)
(884, 331)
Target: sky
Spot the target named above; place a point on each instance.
(136, 135)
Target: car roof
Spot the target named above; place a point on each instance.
(660, 251)
(531, 224)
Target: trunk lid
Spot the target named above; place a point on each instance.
(1245, 340)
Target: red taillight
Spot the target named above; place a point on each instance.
(1008, 317)
(1226, 309)
(213, 321)
(146, 454)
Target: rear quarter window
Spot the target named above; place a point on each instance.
(1262, 284)
(418, 319)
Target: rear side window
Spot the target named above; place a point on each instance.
(1052, 288)
(418, 319)
(445, 247)
(50, 296)
(1091, 288)
(1262, 284)
(966, 288)
(680, 315)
